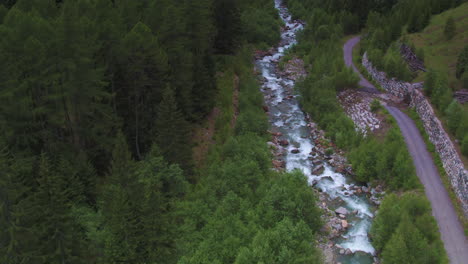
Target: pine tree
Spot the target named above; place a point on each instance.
(161, 186)
(59, 236)
(450, 28)
(229, 29)
(18, 243)
(454, 115)
(144, 69)
(172, 132)
(119, 208)
(3, 12)
(462, 63)
(396, 251)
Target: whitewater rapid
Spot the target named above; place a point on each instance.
(287, 118)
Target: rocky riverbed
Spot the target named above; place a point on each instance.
(299, 144)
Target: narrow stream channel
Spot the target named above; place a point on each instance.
(286, 117)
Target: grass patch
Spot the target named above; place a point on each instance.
(438, 162)
(442, 54)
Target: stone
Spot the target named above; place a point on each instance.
(295, 151)
(327, 177)
(318, 170)
(344, 224)
(316, 162)
(265, 108)
(342, 251)
(348, 251)
(365, 189)
(342, 216)
(279, 164)
(271, 144)
(342, 211)
(283, 142)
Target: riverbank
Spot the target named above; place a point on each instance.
(298, 144)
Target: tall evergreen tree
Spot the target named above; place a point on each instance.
(172, 132)
(450, 28)
(229, 27)
(144, 70)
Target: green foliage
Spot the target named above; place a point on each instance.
(464, 145)
(75, 74)
(405, 231)
(241, 208)
(139, 196)
(420, 53)
(464, 79)
(375, 105)
(437, 88)
(450, 28)
(387, 161)
(454, 114)
(392, 63)
(172, 131)
(260, 26)
(462, 63)
(285, 243)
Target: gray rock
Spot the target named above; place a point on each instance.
(318, 170)
(341, 211)
(316, 162)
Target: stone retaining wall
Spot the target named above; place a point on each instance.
(437, 135)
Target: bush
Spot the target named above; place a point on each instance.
(420, 54)
(462, 62)
(405, 231)
(464, 80)
(464, 145)
(375, 105)
(450, 28)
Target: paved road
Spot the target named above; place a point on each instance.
(348, 58)
(450, 228)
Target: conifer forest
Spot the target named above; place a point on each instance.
(233, 131)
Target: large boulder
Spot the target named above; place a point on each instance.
(344, 224)
(318, 170)
(341, 211)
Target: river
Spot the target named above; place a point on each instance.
(286, 117)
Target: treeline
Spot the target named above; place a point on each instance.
(386, 32)
(97, 102)
(374, 159)
(437, 88)
(405, 231)
(242, 211)
(387, 160)
(385, 27)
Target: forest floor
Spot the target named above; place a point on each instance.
(451, 230)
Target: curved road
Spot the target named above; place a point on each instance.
(450, 228)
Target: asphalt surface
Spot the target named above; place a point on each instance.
(348, 58)
(451, 230)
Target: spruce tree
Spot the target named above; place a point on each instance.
(120, 210)
(229, 28)
(144, 70)
(172, 131)
(60, 239)
(450, 28)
